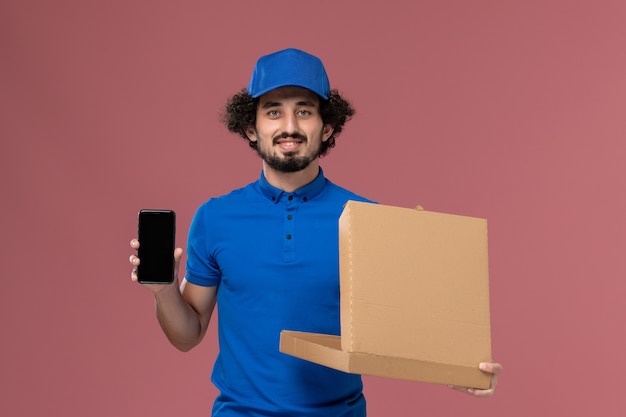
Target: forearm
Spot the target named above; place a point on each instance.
(180, 322)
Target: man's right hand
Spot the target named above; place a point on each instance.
(183, 313)
(155, 288)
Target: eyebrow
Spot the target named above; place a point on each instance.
(278, 104)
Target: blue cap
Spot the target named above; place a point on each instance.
(289, 67)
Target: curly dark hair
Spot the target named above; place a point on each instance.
(240, 114)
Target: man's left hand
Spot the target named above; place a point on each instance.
(491, 368)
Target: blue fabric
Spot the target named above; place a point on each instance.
(274, 257)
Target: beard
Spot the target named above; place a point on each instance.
(290, 161)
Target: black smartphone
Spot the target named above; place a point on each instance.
(156, 235)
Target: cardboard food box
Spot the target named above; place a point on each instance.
(414, 298)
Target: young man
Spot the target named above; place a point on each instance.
(267, 254)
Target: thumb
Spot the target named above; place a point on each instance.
(178, 254)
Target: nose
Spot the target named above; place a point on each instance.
(290, 123)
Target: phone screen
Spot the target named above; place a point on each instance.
(156, 235)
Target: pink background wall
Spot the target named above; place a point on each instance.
(513, 111)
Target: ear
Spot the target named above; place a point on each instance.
(327, 132)
(251, 133)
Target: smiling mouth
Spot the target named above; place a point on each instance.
(289, 137)
(289, 145)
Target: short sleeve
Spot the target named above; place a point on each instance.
(201, 267)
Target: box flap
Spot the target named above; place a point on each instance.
(414, 284)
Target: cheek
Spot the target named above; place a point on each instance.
(265, 130)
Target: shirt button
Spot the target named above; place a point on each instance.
(290, 197)
(288, 237)
(289, 217)
(304, 198)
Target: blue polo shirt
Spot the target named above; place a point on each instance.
(275, 259)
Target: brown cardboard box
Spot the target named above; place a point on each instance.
(414, 298)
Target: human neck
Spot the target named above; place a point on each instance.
(290, 181)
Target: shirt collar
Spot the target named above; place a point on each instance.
(304, 193)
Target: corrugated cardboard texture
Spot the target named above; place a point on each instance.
(414, 297)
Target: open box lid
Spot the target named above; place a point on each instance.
(414, 298)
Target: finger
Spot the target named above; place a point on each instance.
(134, 260)
(464, 390)
(485, 393)
(490, 367)
(494, 369)
(134, 243)
(482, 393)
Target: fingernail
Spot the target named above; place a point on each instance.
(470, 390)
(483, 367)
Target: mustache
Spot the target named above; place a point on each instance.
(286, 135)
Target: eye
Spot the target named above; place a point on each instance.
(303, 112)
(273, 113)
